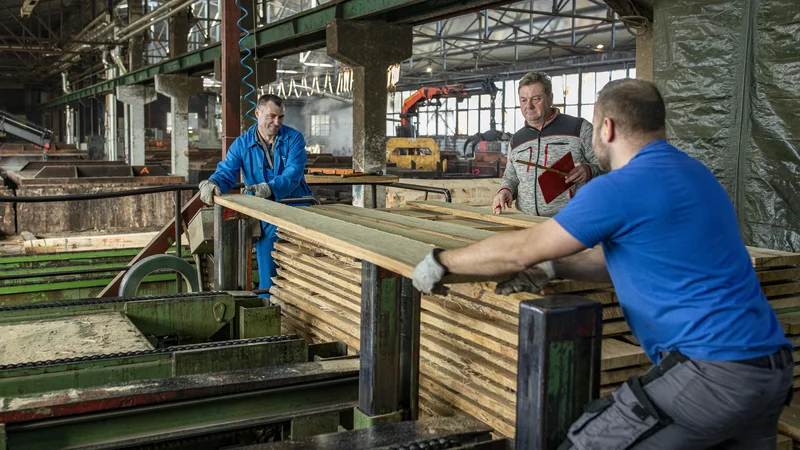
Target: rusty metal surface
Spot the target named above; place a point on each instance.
(150, 392)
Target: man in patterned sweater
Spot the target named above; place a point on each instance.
(547, 136)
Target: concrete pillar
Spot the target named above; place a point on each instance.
(644, 55)
(179, 34)
(70, 125)
(136, 96)
(353, 43)
(265, 72)
(179, 88)
(136, 43)
(211, 116)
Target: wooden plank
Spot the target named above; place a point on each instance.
(417, 235)
(324, 262)
(789, 423)
(395, 253)
(790, 322)
(770, 275)
(396, 217)
(490, 396)
(763, 257)
(615, 327)
(471, 319)
(316, 248)
(620, 375)
(466, 404)
(481, 213)
(469, 360)
(784, 303)
(88, 243)
(616, 355)
(774, 290)
(322, 179)
(322, 274)
(292, 277)
(338, 318)
(451, 325)
(318, 323)
(784, 443)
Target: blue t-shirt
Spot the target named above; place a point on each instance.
(680, 268)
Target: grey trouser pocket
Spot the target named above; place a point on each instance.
(617, 422)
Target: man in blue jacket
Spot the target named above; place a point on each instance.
(272, 158)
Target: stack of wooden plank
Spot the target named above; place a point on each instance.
(468, 354)
(469, 337)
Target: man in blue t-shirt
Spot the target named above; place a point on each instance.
(671, 244)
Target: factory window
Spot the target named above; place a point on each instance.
(320, 125)
(573, 93)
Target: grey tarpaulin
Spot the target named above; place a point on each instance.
(729, 71)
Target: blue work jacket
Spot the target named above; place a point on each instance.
(286, 179)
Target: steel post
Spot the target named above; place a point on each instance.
(409, 349)
(558, 367)
(379, 378)
(225, 250)
(178, 232)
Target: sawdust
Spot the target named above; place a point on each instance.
(69, 337)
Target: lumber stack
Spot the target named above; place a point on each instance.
(468, 351)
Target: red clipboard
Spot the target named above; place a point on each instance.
(553, 184)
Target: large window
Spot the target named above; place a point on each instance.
(573, 93)
(320, 125)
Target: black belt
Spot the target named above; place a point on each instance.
(778, 360)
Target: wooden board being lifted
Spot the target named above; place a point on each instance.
(389, 251)
(514, 219)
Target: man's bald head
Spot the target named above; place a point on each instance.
(635, 106)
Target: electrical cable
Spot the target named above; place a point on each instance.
(243, 62)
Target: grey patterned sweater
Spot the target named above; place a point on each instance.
(560, 134)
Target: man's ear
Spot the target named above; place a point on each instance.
(609, 130)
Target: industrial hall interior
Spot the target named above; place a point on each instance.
(399, 224)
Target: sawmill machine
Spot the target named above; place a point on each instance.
(195, 371)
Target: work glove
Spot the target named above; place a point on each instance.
(428, 274)
(208, 189)
(260, 190)
(533, 279)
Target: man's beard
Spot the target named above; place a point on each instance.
(603, 156)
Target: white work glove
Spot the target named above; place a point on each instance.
(208, 189)
(260, 190)
(428, 274)
(533, 279)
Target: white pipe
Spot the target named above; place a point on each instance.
(151, 17)
(141, 28)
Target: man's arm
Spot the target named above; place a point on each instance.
(589, 265)
(588, 151)
(512, 252)
(227, 174)
(283, 184)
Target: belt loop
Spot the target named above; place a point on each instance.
(772, 362)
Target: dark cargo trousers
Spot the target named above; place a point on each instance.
(688, 404)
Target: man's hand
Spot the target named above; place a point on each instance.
(428, 274)
(532, 279)
(208, 189)
(580, 174)
(502, 201)
(260, 190)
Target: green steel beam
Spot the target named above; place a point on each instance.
(300, 32)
